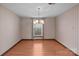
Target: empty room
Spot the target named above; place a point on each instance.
(39, 29)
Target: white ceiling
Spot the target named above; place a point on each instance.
(31, 9)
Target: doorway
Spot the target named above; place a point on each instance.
(38, 29)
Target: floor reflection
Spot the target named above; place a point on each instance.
(38, 48)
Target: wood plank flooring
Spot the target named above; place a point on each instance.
(39, 48)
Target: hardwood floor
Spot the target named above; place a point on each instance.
(39, 48)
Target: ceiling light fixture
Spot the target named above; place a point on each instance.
(38, 20)
(51, 3)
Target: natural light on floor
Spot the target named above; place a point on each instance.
(38, 49)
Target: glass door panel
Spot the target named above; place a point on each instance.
(37, 29)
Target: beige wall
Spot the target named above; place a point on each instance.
(67, 29)
(26, 28)
(9, 29)
(49, 28)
